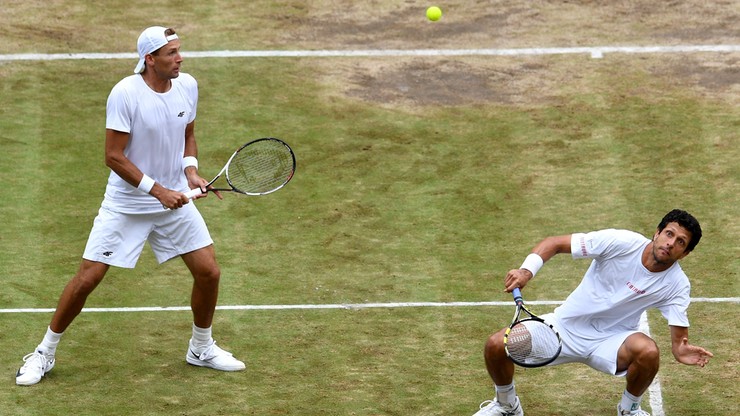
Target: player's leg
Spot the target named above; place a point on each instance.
(106, 244)
(639, 356)
(501, 370)
(202, 350)
(206, 277)
(75, 294)
(38, 363)
(498, 364)
(183, 233)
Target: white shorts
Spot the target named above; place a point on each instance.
(599, 354)
(117, 239)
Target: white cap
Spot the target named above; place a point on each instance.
(151, 40)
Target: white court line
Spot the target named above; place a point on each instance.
(288, 307)
(654, 391)
(330, 306)
(595, 52)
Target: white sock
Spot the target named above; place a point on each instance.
(202, 337)
(630, 402)
(49, 344)
(506, 394)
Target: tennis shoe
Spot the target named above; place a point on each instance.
(35, 366)
(638, 412)
(214, 357)
(494, 408)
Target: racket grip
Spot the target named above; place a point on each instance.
(517, 295)
(193, 193)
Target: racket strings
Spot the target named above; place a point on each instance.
(532, 342)
(260, 167)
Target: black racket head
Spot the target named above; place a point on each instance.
(532, 342)
(261, 167)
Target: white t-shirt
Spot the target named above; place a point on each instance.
(156, 123)
(617, 288)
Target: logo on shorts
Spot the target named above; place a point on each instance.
(182, 113)
(107, 253)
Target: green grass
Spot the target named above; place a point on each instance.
(392, 202)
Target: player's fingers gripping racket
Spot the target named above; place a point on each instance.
(259, 167)
(530, 342)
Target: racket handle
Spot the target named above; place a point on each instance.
(517, 295)
(191, 194)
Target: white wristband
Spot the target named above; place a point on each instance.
(146, 184)
(189, 161)
(533, 263)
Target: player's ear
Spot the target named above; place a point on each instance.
(149, 60)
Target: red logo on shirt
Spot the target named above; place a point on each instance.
(635, 289)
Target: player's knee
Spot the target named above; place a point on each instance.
(495, 345)
(209, 277)
(85, 282)
(649, 355)
(651, 352)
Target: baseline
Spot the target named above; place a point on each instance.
(595, 52)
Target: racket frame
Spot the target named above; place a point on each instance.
(191, 194)
(517, 294)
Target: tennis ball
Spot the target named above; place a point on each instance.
(434, 13)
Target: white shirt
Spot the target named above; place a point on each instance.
(617, 288)
(156, 123)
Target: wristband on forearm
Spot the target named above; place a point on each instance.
(533, 263)
(189, 161)
(146, 184)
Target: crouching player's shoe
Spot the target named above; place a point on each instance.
(213, 357)
(494, 408)
(636, 412)
(35, 366)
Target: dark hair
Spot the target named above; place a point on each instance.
(685, 220)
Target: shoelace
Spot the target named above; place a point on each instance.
(639, 412)
(506, 413)
(35, 359)
(212, 351)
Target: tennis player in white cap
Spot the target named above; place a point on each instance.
(151, 150)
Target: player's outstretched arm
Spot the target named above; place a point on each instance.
(686, 353)
(545, 250)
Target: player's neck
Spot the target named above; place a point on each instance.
(651, 262)
(156, 83)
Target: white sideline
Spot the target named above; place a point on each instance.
(654, 391)
(331, 306)
(595, 52)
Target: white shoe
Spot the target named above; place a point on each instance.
(638, 412)
(214, 357)
(35, 367)
(494, 408)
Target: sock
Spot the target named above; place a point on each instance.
(201, 338)
(630, 402)
(49, 344)
(506, 394)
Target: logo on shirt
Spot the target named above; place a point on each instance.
(182, 113)
(635, 288)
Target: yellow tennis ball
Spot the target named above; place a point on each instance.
(434, 13)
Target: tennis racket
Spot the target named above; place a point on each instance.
(259, 167)
(530, 342)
